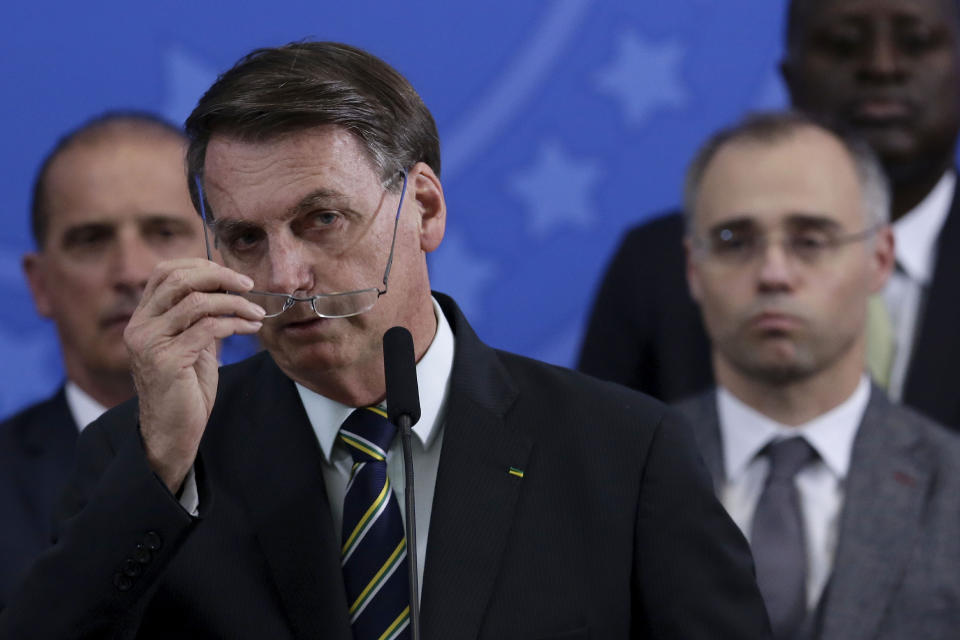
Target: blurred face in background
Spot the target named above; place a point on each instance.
(887, 69)
(116, 205)
(782, 285)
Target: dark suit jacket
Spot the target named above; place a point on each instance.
(613, 531)
(36, 454)
(645, 331)
(895, 571)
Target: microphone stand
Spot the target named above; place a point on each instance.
(406, 425)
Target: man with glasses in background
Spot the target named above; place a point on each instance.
(888, 70)
(849, 501)
(109, 202)
(229, 504)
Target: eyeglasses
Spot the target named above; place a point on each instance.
(326, 305)
(741, 244)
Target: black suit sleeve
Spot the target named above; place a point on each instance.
(693, 571)
(119, 527)
(645, 330)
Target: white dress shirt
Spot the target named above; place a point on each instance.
(744, 432)
(433, 380)
(83, 408)
(915, 236)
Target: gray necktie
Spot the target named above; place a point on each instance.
(777, 538)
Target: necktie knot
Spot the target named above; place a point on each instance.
(788, 457)
(367, 433)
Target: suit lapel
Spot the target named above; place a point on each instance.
(935, 343)
(884, 500)
(701, 413)
(48, 442)
(475, 498)
(281, 479)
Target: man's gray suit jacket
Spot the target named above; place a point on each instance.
(896, 572)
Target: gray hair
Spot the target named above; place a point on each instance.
(776, 126)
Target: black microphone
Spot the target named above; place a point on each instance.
(400, 371)
(403, 410)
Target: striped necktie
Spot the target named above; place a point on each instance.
(374, 551)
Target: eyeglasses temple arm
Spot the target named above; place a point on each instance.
(203, 215)
(393, 242)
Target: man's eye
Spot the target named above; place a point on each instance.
(162, 231)
(323, 219)
(808, 244)
(87, 238)
(242, 242)
(918, 41)
(840, 43)
(731, 241)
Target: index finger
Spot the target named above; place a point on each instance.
(173, 280)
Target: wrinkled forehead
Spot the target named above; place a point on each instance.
(808, 174)
(243, 176)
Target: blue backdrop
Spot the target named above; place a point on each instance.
(562, 123)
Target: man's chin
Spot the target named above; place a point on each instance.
(301, 358)
(778, 362)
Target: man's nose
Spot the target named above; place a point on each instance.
(133, 262)
(776, 270)
(289, 269)
(882, 59)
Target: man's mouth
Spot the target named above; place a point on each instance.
(775, 322)
(299, 325)
(115, 319)
(882, 111)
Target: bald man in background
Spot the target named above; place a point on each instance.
(110, 201)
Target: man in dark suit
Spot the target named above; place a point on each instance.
(550, 504)
(889, 70)
(109, 203)
(849, 500)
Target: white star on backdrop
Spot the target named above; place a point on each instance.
(186, 78)
(463, 273)
(644, 76)
(556, 190)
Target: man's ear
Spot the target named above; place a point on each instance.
(693, 273)
(882, 259)
(34, 268)
(424, 186)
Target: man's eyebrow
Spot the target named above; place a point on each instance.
(162, 218)
(323, 197)
(813, 220)
(70, 234)
(230, 225)
(740, 221)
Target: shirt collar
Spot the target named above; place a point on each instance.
(83, 408)
(916, 233)
(433, 378)
(744, 431)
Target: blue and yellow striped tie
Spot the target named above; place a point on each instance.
(374, 551)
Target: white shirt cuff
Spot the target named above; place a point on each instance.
(189, 497)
